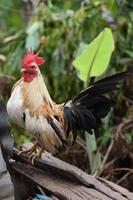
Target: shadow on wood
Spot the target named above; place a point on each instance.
(62, 180)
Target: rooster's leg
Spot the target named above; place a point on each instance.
(31, 150)
(36, 155)
(34, 152)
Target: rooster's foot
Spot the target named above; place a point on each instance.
(36, 155)
(34, 152)
(30, 151)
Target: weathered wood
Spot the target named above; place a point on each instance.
(63, 189)
(116, 188)
(66, 181)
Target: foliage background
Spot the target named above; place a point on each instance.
(61, 29)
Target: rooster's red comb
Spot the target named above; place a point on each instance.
(31, 57)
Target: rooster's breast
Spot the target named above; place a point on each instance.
(15, 107)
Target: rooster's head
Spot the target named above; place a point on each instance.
(30, 65)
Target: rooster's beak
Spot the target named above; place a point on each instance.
(22, 70)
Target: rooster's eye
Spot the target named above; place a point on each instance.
(33, 67)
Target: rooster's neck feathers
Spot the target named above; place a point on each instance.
(35, 93)
(38, 101)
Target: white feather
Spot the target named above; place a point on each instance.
(42, 131)
(15, 107)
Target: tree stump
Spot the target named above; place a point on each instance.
(64, 181)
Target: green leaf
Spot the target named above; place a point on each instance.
(36, 26)
(94, 60)
(33, 34)
(129, 53)
(32, 41)
(93, 154)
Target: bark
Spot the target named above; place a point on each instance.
(63, 180)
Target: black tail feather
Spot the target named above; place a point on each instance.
(100, 87)
(84, 112)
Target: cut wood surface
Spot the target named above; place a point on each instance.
(65, 181)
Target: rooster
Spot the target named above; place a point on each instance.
(55, 126)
